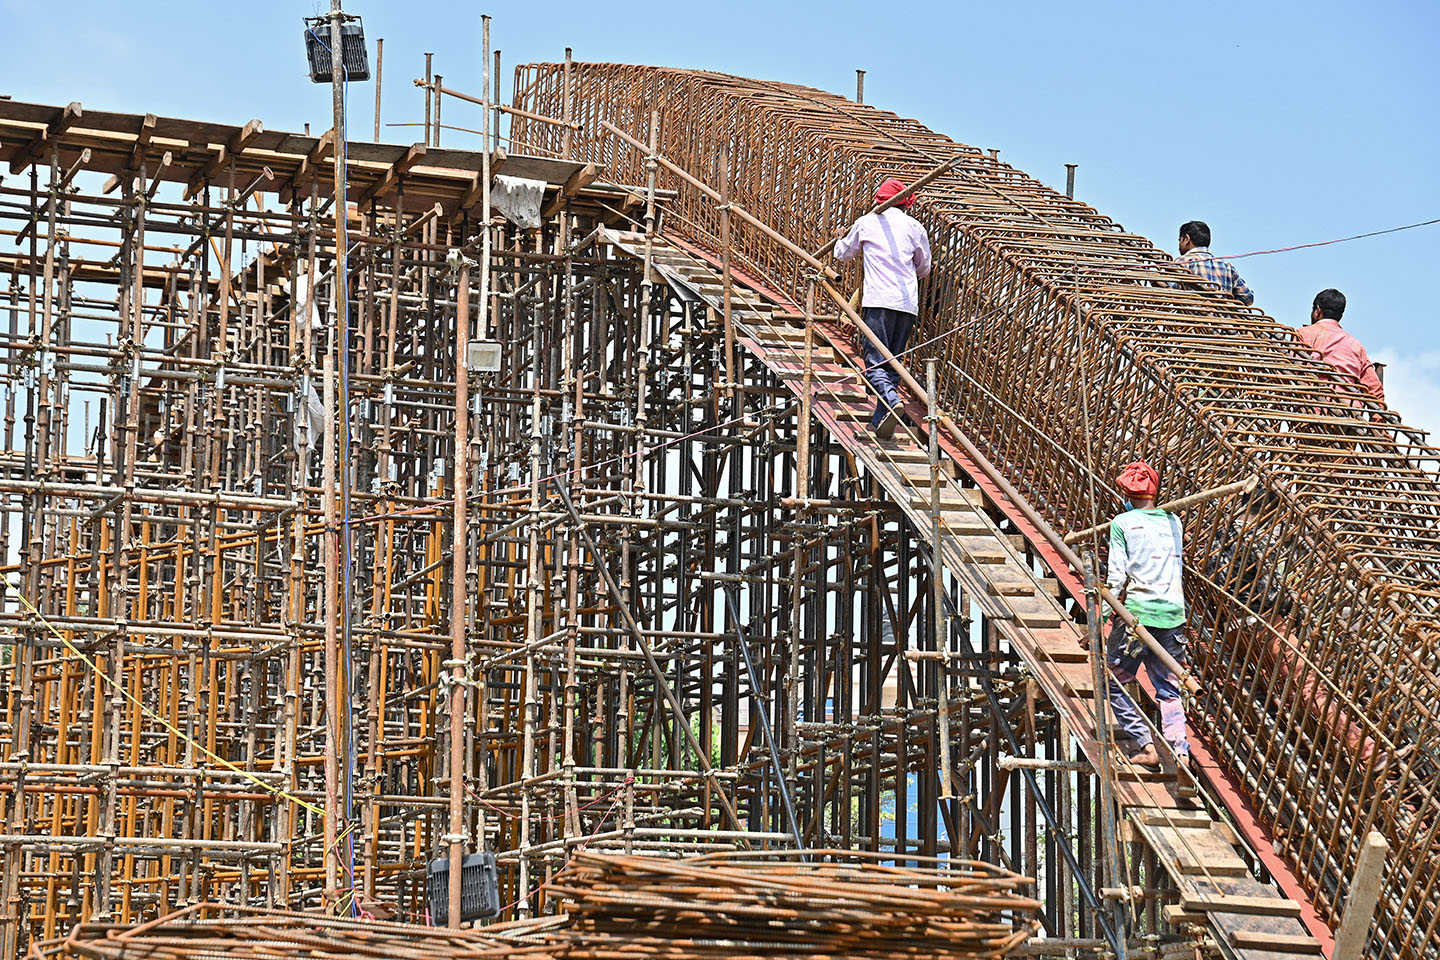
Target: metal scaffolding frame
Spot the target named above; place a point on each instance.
(187, 716)
(242, 666)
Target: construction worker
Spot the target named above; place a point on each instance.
(897, 255)
(1144, 570)
(1196, 257)
(1337, 347)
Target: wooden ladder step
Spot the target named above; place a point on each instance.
(963, 523)
(846, 391)
(855, 414)
(1078, 680)
(1135, 773)
(1060, 645)
(951, 498)
(1274, 942)
(1227, 903)
(998, 584)
(920, 476)
(787, 351)
(901, 453)
(828, 374)
(1036, 612)
(1175, 916)
(790, 328)
(981, 549)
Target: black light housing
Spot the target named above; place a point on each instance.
(479, 888)
(352, 42)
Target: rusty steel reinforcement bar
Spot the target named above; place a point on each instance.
(1174, 506)
(1049, 533)
(1337, 548)
(1053, 538)
(973, 452)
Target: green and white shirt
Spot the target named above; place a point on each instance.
(1145, 559)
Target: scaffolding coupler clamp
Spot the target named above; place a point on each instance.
(450, 680)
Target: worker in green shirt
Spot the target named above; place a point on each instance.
(1144, 570)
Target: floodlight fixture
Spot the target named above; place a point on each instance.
(352, 43)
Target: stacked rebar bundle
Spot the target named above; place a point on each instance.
(716, 907)
(736, 906)
(216, 930)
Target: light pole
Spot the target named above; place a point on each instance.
(338, 598)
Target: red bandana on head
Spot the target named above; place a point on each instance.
(891, 187)
(1139, 479)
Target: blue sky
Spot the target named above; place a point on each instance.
(1276, 123)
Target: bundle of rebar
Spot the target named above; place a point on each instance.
(223, 930)
(728, 906)
(739, 905)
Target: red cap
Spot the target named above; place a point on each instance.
(1139, 479)
(891, 187)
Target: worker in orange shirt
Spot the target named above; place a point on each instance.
(1337, 347)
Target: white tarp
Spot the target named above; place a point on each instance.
(518, 200)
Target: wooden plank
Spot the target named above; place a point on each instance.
(951, 498)
(901, 453)
(1274, 942)
(1219, 867)
(1060, 646)
(848, 414)
(391, 179)
(982, 549)
(1276, 906)
(1360, 903)
(998, 586)
(846, 390)
(35, 149)
(576, 182)
(227, 152)
(324, 148)
(1170, 818)
(788, 371)
(142, 140)
(1176, 916)
(476, 191)
(1078, 679)
(1037, 612)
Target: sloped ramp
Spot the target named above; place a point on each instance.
(1206, 859)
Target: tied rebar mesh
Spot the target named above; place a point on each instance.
(1314, 599)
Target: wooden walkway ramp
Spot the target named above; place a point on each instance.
(1206, 859)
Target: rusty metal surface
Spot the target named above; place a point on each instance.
(1315, 598)
(718, 906)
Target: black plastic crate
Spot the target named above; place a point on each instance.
(352, 42)
(479, 888)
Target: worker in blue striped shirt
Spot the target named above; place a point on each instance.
(1196, 257)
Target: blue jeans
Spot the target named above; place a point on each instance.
(1167, 691)
(892, 328)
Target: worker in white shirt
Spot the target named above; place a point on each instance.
(897, 255)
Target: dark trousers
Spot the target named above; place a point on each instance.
(1125, 665)
(892, 328)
